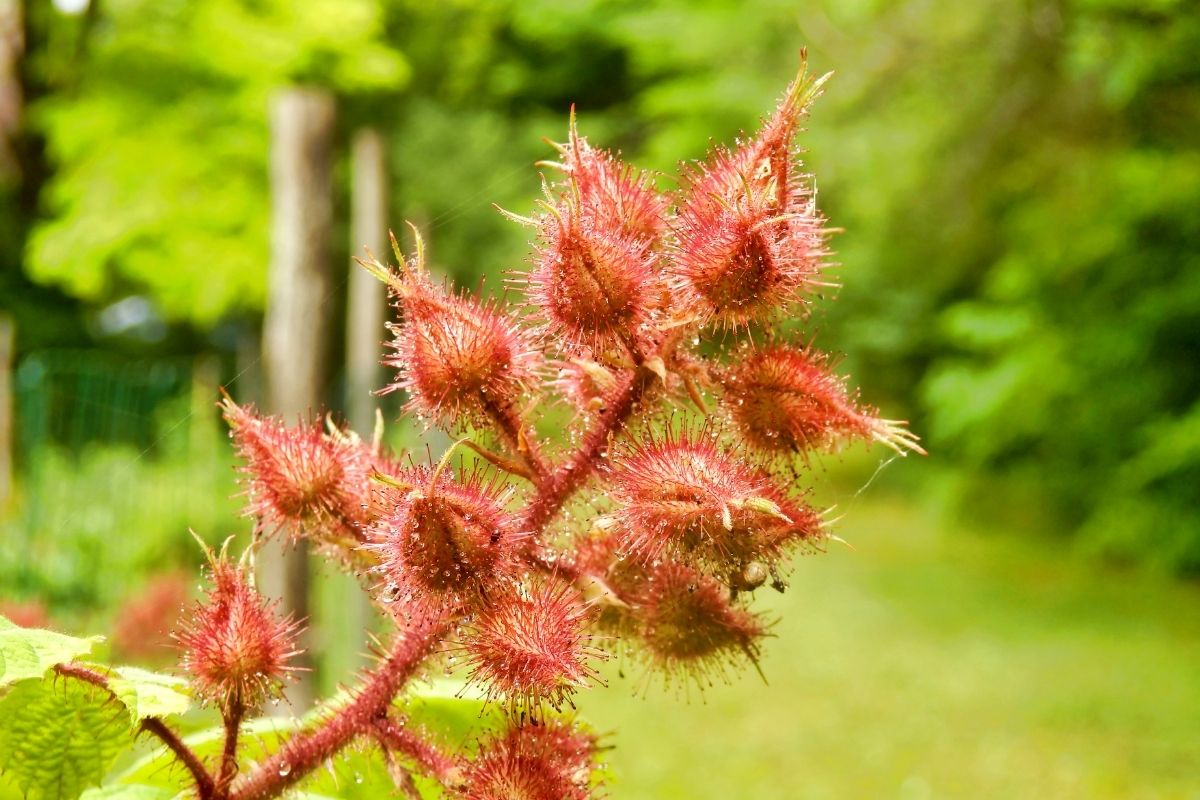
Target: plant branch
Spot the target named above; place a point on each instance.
(307, 750)
(152, 725)
(227, 769)
(204, 781)
(401, 739)
(557, 487)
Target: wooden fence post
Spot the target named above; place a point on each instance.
(296, 323)
(366, 310)
(367, 296)
(7, 348)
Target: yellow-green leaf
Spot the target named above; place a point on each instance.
(28, 652)
(149, 694)
(58, 737)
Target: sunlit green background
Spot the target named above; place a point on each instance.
(1019, 186)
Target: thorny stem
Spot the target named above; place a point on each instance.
(227, 769)
(558, 486)
(152, 725)
(306, 751)
(398, 738)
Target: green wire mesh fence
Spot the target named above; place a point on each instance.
(116, 459)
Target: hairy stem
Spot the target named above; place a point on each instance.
(557, 487)
(402, 740)
(227, 770)
(152, 725)
(204, 781)
(307, 750)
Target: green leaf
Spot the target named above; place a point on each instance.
(28, 652)
(450, 709)
(128, 791)
(58, 737)
(149, 694)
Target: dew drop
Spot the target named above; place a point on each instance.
(284, 769)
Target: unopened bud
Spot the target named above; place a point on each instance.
(234, 646)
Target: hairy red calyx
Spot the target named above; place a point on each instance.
(595, 283)
(616, 196)
(749, 238)
(785, 399)
(596, 270)
(300, 476)
(444, 538)
(459, 359)
(686, 625)
(691, 627)
(531, 646)
(549, 760)
(235, 648)
(683, 495)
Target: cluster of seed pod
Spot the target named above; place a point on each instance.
(655, 316)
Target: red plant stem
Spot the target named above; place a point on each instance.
(558, 486)
(308, 750)
(151, 725)
(227, 769)
(204, 781)
(401, 739)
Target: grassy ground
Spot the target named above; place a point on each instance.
(925, 665)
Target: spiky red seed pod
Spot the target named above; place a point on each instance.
(691, 628)
(300, 475)
(768, 163)
(444, 538)
(684, 495)
(236, 648)
(549, 760)
(734, 265)
(785, 399)
(595, 284)
(458, 358)
(749, 238)
(532, 645)
(680, 622)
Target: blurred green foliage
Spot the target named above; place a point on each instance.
(99, 518)
(160, 145)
